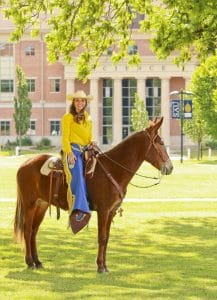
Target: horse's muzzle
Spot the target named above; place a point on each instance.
(167, 168)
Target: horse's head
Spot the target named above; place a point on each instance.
(156, 153)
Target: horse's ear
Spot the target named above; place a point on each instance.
(158, 123)
(150, 123)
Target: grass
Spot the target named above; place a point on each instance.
(150, 256)
(8, 168)
(191, 179)
(157, 250)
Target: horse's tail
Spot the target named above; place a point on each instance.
(19, 217)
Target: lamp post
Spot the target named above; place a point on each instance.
(181, 93)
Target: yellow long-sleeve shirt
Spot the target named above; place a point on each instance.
(78, 133)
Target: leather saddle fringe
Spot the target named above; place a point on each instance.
(57, 174)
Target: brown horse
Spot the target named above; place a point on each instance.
(106, 189)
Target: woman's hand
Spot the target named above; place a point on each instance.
(93, 143)
(71, 158)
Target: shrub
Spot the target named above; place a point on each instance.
(26, 141)
(9, 145)
(212, 144)
(44, 143)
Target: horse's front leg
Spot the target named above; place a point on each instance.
(110, 218)
(102, 240)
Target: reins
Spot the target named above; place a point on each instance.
(148, 186)
(130, 171)
(125, 168)
(112, 180)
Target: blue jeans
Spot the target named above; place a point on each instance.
(78, 183)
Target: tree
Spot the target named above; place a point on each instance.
(92, 26)
(22, 105)
(188, 26)
(204, 87)
(139, 115)
(195, 129)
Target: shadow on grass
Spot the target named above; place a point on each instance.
(208, 162)
(160, 258)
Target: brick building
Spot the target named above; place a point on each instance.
(112, 87)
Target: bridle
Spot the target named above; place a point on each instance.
(152, 144)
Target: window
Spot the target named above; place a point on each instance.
(129, 88)
(109, 51)
(30, 51)
(136, 21)
(6, 49)
(54, 127)
(132, 49)
(31, 85)
(54, 85)
(153, 97)
(7, 86)
(107, 129)
(32, 128)
(4, 127)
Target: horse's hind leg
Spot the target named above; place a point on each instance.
(37, 219)
(27, 236)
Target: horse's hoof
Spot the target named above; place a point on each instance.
(102, 270)
(30, 267)
(39, 265)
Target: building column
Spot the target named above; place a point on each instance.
(70, 89)
(117, 111)
(165, 110)
(141, 88)
(94, 112)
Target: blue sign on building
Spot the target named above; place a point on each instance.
(176, 109)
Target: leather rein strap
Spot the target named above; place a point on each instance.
(152, 143)
(111, 179)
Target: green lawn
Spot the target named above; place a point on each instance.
(150, 256)
(158, 249)
(191, 179)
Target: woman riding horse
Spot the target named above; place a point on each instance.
(106, 189)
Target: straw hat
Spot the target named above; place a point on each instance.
(79, 95)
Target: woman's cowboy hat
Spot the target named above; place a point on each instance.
(79, 95)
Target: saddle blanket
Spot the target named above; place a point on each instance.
(48, 165)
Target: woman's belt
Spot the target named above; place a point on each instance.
(78, 147)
